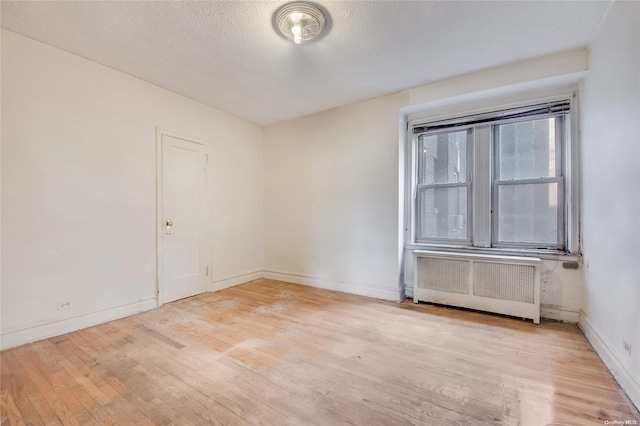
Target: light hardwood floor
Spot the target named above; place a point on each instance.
(275, 353)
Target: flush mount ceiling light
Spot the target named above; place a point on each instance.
(300, 21)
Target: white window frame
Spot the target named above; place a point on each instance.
(467, 184)
(483, 238)
(561, 140)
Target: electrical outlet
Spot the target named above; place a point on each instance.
(627, 347)
(64, 305)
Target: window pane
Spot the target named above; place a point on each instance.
(444, 213)
(528, 213)
(443, 158)
(527, 149)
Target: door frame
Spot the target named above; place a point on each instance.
(159, 212)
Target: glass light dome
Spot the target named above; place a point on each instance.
(300, 21)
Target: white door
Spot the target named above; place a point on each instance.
(182, 238)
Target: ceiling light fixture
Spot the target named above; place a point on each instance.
(300, 21)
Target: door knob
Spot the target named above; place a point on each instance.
(168, 223)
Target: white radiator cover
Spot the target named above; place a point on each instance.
(500, 284)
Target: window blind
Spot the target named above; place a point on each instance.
(557, 107)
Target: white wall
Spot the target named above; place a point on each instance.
(332, 184)
(331, 194)
(79, 189)
(611, 198)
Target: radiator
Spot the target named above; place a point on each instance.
(500, 284)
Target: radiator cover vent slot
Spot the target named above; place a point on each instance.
(504, 281)
(501, 284)
(450, 275)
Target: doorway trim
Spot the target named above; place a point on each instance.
(159, 212)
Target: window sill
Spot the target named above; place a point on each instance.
(542, 254)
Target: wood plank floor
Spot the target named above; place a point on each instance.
(275, 353)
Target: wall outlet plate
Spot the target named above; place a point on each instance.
(64, 305)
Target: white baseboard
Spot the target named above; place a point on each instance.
(232, 281)
(32, 333)
(56, 328)
(362, 290)
(563, 315)
(629, 383)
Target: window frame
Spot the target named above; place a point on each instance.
(496, 181)
(417, 207)
(486, 240)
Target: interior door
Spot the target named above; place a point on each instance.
(183, 216)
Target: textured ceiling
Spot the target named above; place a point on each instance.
(227, 54)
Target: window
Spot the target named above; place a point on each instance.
(444, 187)
(493, 180)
